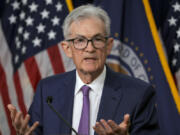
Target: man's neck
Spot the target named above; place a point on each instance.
(88, 78)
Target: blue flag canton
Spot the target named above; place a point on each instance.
(32, 26)
(171, 35)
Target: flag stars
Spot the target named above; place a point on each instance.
(176, 7)
(15, 5)
(40, 28)
(26, 35)
(22, 15)
(36, 42)
(55, 21)
(48, 2)
(176, 47)
(45, 14)
(16, 59)
(20, 30)
(18, 43)
(23, 50)
(51, 35)
(174, 62)
(24, 2)
(178, 33)
(172, 21)
(12, 19)
(29, 21)
(59, 6)
(33, 7)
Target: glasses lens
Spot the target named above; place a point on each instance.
(80, 43)
(99, 42)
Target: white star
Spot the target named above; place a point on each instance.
(59, 6)
(178, 33)
(176, 7)
(24, 2)
(20, 29)
(45, 14)
(12, 19)
(55, 21)
(48, 2)
(26, 35)
(33, 7)
(15, 5)
(51, 35)
(16, 39)
(23, 50)
(36, 42)
(29, 21)
(16, 59)
(176, 47)
(172, 21)
(22, 15)
(18, 44)
(174, 61)
(40, 28)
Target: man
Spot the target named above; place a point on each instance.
(92, 97)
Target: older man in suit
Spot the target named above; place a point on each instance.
(92, 97)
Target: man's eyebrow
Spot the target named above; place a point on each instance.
(98, 34)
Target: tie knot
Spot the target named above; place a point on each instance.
(85, 89)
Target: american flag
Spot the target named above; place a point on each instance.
(30, 33)
(171, 38)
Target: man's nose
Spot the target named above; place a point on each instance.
(90, 46)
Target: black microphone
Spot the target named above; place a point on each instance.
(49, 101)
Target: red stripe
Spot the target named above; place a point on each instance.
(5, 97)
(33, 71)
(56, 60)
(19, 93)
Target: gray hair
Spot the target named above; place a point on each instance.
(84, 12)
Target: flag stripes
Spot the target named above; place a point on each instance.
(5, 97)
(4, 128)
(56, 59)
(19, 93)
(33, 72)
(42, 61)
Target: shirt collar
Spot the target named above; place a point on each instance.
(96, 86)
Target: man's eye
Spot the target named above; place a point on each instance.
(98, 39)
(80, 40)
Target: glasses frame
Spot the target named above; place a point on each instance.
(88, 40)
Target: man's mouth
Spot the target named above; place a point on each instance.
(90, 59)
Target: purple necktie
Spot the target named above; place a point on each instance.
(84, 121)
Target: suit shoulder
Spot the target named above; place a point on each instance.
(59, 77)
(130, 84)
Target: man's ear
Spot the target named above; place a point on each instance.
(109, 45)
(67, 49)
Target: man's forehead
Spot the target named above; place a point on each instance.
(86, 33)
(82, 35)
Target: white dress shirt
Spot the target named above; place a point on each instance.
(94, 98)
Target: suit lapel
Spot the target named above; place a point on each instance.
(110, 97)
(68, 100)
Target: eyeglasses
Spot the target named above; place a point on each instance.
(81, 42)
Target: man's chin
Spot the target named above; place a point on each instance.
(89, 70)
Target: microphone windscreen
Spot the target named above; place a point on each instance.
(49, 99)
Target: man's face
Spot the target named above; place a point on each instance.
(89, 59)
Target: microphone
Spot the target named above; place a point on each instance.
(49, 101)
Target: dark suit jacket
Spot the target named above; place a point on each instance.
(121, 95)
